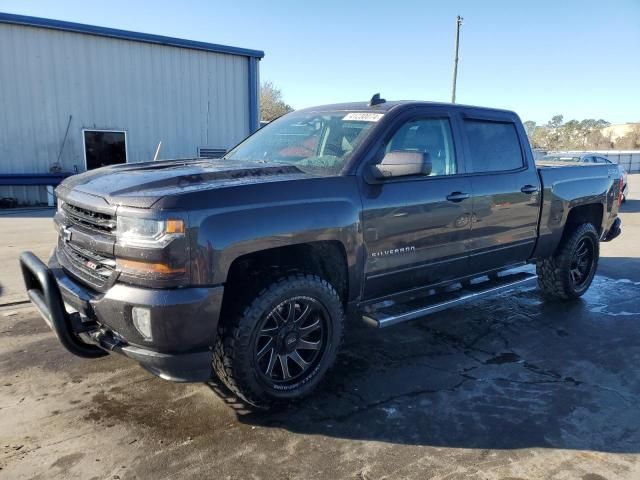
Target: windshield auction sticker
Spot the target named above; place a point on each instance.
(363, 116)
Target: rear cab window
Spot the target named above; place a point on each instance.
(494, 146)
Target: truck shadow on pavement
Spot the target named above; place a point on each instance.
(510, 372)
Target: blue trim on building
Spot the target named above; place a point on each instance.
(254, 107)
(26, 179)
(126, 35)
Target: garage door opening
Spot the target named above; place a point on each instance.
(104, 147)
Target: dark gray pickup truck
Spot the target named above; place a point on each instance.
(244, 267)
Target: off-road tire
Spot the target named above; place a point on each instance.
(554, 273)
(234, 361)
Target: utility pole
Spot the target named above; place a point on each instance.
(455, 60)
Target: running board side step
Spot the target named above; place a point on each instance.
(387, 315)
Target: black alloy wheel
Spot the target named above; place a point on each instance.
(281, 342)
(291, 340)
(582, 263)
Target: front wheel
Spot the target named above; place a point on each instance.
(281, 345)
(569, 273)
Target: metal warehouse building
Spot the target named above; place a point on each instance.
(75, 97)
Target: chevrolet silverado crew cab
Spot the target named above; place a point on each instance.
(245, 266)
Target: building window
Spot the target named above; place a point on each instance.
(104, 147)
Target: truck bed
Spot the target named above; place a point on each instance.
(570, 185)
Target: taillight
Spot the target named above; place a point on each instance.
(620, 187)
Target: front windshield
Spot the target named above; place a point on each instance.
(559, 158)
(319, 143)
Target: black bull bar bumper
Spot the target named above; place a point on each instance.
(85, 337)
(44, 293)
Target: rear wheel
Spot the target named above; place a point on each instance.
(569, 273)
(281, 345)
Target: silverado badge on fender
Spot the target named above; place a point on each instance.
(394, 251)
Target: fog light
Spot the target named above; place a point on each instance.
(142, 321)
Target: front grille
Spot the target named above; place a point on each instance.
(101, 222)
(90, 261)
(95, 270)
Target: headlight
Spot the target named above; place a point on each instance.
(144, 233)
(59, 204)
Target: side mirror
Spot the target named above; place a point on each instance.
(401, 163)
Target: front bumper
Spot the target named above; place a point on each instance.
(184, 321)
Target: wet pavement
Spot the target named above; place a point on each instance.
(511, 387)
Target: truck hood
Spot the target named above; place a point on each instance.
(143, 184)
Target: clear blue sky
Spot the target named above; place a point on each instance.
(539, 58)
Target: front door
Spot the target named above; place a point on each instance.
(416, 228)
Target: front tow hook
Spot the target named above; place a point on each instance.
(106, 340)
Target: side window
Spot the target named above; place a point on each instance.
(494, 146)
(431, 136)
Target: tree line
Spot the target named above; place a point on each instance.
(586, 134)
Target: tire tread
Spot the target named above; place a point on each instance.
(238, 330)
(552, 272)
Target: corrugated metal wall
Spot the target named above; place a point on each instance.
(182, 97)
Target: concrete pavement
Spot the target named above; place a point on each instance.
(22, 229)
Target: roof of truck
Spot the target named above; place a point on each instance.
(388, 105)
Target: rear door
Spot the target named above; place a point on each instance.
(416, 229)
(506, 192)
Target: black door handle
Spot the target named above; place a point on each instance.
(529, 189)
(457, 196)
